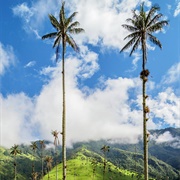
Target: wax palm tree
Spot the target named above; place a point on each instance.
(94, 164)
(142, 26)
(105, 149)
(56, 143)
(64, 28)
(15, 151)
(34, 175)
(33, 146)
(42, 145)
(48, 160)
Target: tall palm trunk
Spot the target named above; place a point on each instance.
(42, 167)
(144, 112)
(64, 111)
(56, 163)
(15, 168)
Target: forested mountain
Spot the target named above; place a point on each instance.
(125, 160)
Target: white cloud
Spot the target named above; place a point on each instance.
(23, 11)
(173, 74)
(165, 106)
(107, 111)
(177, 10)
(104, 113)
(89, 62)
(102, 20)
(15, 125)
(7, 57)
(33, 15)
(30, 64)
(166, 137)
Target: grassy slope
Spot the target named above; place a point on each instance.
(7, 164)
(80, 167)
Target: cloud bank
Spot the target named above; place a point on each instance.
(108, 111)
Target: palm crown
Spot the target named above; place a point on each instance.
(15, 150)
(64, 28)
(142, 26)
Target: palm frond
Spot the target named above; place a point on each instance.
(154, 40)
(57, 53)
(129, 44)
(50, 35)
(129, 27)
(68, 20)
(157, 26)
(135, 16)
(132, 35)
(151, 13)
(62, 15)
(72, 43)
(76, 30)
(136, 44)
(154, 20)
(74, 24)
(54, 21)
(57, 41)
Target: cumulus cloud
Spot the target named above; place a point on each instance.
(16, 125)
(108, 111)
(103, 113)
(101, 15)
(7, 57)
(173, 74)
(165, 106)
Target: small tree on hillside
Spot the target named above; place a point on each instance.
(105, 149)
(48, 160)
(56, 143)
(42, 145)
(15, 151)
(33, 146)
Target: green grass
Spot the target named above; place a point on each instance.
(80, 168)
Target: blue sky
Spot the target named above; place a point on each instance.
(103, 85)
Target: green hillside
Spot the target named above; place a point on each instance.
(85, 160)
(88, 165)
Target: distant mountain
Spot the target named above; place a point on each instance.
(165, 145)
(125, 160)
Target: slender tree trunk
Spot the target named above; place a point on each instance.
(56, 163)
(42, 167)
(48, 174)
(64, 112)
(33, 169)
(15, 170)
(144, 113)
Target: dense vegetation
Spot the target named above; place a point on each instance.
(86, 160)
